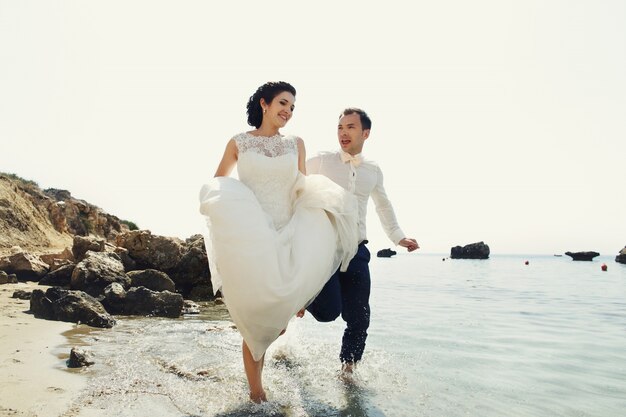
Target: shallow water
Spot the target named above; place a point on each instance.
(448, 338)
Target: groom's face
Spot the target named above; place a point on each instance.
(351, 134)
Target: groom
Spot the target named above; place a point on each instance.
(347, 293)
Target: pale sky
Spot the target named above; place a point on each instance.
(501, 121)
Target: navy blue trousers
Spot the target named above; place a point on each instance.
(348, 293)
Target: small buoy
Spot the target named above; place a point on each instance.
(604, 267)
(526, 263)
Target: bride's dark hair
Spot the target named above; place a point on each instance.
(266, 92)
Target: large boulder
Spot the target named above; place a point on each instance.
(129, 263)
(80, 307)
(57, 260)
(114, 299)
(142, 301)
(201, 292)
(41, 305)
(185, 263)
(193, 268)
(151, 279)
(145, 302)
(151, 251)
(61, 277)
(99, 269)
(582, 256)
(25, 265)
(476, 250)
(71, 306)
(83, 244)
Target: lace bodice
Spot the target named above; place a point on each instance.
(269, 167)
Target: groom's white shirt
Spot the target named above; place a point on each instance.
(363, 181)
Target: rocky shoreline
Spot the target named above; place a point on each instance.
(142, 274)
(66, 265)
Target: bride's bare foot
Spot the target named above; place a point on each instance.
(283, 332)
(258, 397)
(300, 313)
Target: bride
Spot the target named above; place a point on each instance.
(276, 235)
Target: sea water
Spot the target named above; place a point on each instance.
(494, 337)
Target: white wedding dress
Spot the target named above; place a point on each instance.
(275, 236)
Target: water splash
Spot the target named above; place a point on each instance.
(193, 367)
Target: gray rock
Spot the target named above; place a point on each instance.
(57, 260)
(7, 278)
(202, 292)
(128, 262)
(21, 294)
(41, 306)
(58, 195)
(83, 244)
(99, 269)
(114, 300)
(582, 256)
(25, 266)
(61, 277)
(70, 306)
(476, 250)
(386, 253)
(189, 307)
(151, 251)
(192, 271)
(79, 358)
(145, 302)
(151, 279)
(4, 263)
(194, 238)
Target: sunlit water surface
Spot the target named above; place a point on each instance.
(448, 338)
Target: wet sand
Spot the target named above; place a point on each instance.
(35, 381)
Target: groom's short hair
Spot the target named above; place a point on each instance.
(366, 122)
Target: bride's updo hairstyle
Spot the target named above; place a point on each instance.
(266, 92)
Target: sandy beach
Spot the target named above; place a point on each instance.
(35, 381)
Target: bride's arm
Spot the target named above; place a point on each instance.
(301, 156)
(228, 160)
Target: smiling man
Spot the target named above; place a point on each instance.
(347, 293)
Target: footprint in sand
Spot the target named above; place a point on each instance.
(55, 389)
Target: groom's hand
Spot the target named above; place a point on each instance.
(410, 244)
